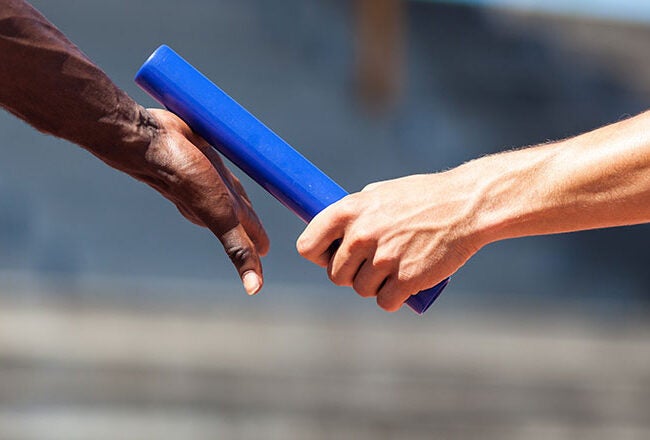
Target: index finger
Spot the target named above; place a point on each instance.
(327, 227)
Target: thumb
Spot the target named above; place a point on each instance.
(243, 254)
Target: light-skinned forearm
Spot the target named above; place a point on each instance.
(596, 180)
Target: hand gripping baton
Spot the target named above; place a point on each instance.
(248, 143)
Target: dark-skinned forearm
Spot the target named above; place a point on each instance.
(48, 82)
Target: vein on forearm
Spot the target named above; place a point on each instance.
(607, 172)
(599, 179)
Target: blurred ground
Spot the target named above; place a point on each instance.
(169, 369)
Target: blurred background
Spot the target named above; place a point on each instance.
(119, 319)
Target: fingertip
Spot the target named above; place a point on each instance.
(252, 282)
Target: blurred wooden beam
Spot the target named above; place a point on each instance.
(380, 52)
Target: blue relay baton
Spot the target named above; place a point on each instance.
(246, 142)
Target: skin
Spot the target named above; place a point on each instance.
(401, 236)
(49, 83)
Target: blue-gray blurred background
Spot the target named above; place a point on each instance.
(119, 319)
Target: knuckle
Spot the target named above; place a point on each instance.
(359, 238)
(370, 186)
(239, 254)
(217, 199)
(406, 276)
(302, 246)
(388, 303)
(219, 218)
(347, 207)
(383, 259)
(363, 290)
(337, 277)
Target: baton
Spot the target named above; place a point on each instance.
(246, 142)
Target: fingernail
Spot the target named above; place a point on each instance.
(252, 283)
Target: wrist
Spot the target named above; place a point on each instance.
(130, 130)
(140, 128)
